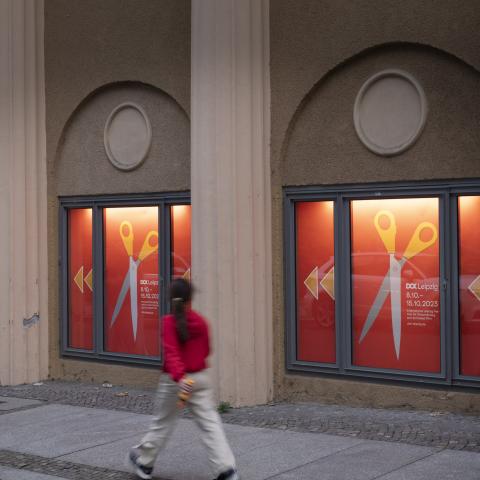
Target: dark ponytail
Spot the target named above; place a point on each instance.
(180, 295)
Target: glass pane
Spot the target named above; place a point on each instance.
(314, 277)
(80, 279)
(131, 280)
(395, 284)
(469, 295)
(181, 241)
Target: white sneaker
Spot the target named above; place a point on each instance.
(140, 470)
(230, 474)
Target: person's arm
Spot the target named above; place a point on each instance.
(171, 350)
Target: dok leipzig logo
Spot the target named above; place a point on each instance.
(422, 286)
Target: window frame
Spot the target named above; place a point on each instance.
(163, 201)
(447, 194)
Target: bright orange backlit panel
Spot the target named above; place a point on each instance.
(131, 265)
(80, 279)
(469, 284)
(181, 216)
(398, 328)
(315, 282)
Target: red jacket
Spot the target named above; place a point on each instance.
(191, 356)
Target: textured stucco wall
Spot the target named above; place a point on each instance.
(81, 164)
(321, 54)
(311, 37)
(89, 44)
(98, 55)
(322, 146)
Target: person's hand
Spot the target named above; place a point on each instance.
(185, 385)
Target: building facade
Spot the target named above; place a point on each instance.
(313, 166)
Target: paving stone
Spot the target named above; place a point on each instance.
(12, 403)
(113, 454)
(16, 474)
(42, 431)
(58, 468)
(356, 462)
(291, 450)
(448, 464)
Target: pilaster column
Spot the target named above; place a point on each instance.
(231, 221)
(23, 230)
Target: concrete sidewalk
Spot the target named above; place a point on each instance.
(46, 441)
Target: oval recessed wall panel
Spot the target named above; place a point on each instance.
(390, 112)
(127, 136)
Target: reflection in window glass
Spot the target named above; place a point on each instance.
(80, 279)
(181, 241)
(469, 283)
(395, 284)
(131, 280)
(315, 286)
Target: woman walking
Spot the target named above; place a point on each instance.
(186, 346)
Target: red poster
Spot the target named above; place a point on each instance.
(80, 279)
(315, 285)
(131, 281)
(469, 294)
(395, 284)
(181, 241)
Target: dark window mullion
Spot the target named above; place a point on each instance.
(165, 262)
(347, 283)
(162, 260)
(444, 286)
(338, 282)
(64, 275)
(293, 241)
(98, 274)
(291, 324)
(454, 287)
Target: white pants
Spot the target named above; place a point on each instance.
(202, 406)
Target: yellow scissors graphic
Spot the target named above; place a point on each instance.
(130, 280)
(392, 282)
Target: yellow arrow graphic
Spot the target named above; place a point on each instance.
(89, 280)
(78, 279)
(311, 282)
(187, 275)
(474, 287)
(328, 283)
